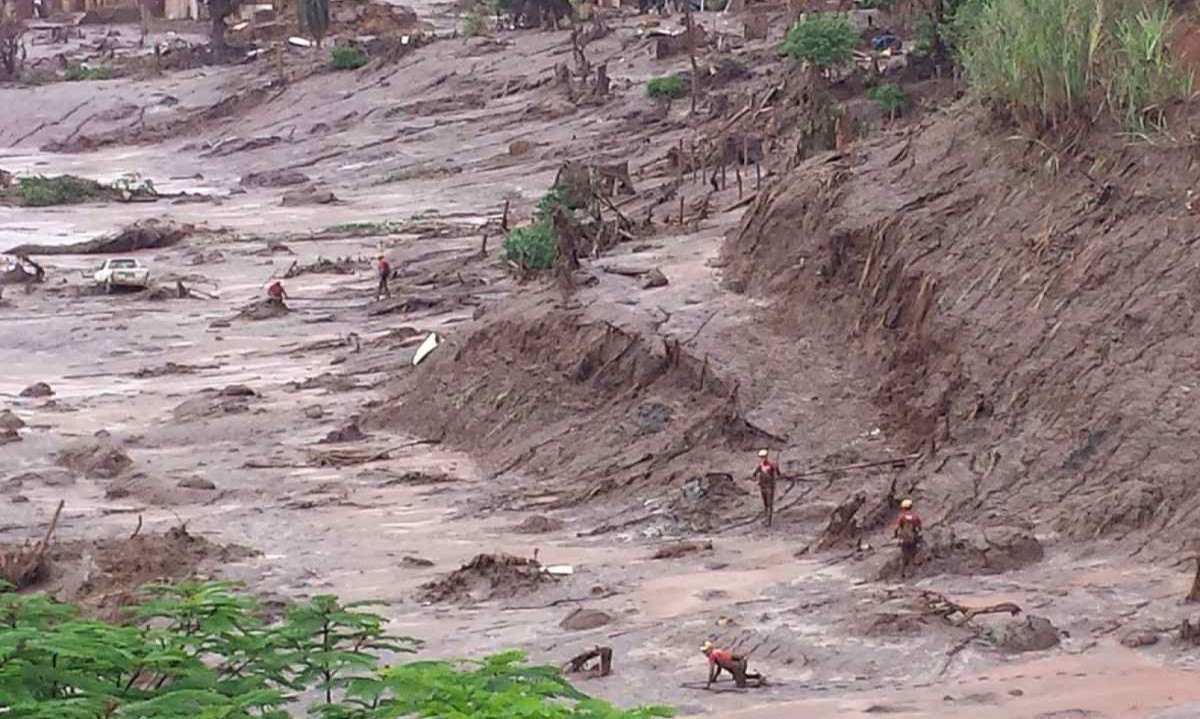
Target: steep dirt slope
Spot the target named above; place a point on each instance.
(1030, 311)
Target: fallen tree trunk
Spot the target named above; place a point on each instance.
(578, 664)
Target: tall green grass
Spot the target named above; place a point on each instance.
(1053, 60)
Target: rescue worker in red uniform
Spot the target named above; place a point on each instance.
(908, 531)
(276, 291)
(384, 269)
(725, 660)
(767, 474)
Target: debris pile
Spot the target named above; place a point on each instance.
(142, 235)
(487, 576)
(96, 457)
(267, 308)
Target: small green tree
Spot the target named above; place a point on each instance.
(891, 98)
(823, 41)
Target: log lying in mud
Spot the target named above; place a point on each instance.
(579, 663)
(959, 614)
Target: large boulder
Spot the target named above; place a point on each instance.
(1031, 634)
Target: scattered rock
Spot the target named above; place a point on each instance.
(19, 499)
(274, 178)
(49, 477)
(10, 420)
(314, 411)
(237, 390)
(520, 148)
(681, 549)
(584, 619)
(196, 483)
(37, 389)
(654, 278)
(349, 433)
(538, 524)
(233, 399)
(8, 436)
(411, 561)
(1031, 634)
(96, 457)
(308, 196)
(1140, 638)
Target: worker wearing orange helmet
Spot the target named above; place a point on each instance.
(767, 474)
(908, 531)
(725, 660)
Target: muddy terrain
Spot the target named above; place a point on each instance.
(920, 312)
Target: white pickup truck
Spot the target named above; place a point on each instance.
(122, 272)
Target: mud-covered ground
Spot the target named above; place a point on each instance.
(589, 429)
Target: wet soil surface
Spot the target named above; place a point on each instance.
(550, 454)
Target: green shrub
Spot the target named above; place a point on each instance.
(672, 87)
(891, 98)
(823, 41)
(348, 58)
(473, 24)
(1052, 60)
(79, 72)
(42, 191)
(534, 246)
(199, 651)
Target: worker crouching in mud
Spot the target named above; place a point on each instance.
(725, 660)
(908, 531)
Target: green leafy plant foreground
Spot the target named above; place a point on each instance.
(199, 651)
(672, 87)
(822, 40)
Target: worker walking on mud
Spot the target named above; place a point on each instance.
(908, 531)
(725, 660)
(385, 272)
(767, 474)
(276, 291)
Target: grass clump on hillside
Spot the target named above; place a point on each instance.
(43, 191)
(671, 87)
(823, 41)
(1053, 60)
(535, 246)
(348, 58)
